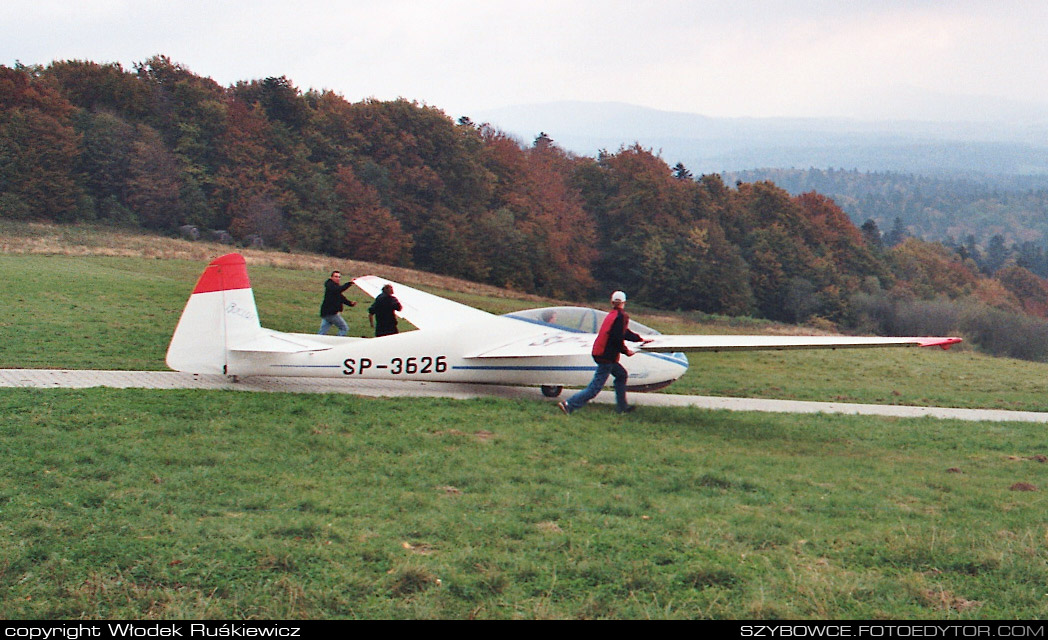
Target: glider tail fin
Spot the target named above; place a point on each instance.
(221, 311)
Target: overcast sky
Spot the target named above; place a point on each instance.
(869, 59)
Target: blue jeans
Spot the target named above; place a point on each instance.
(604, 369)
(334, 320)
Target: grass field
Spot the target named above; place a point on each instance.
(148, 504)
(188, 504)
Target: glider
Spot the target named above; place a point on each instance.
(220, 333)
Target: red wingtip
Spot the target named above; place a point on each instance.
(945, 343)
(224, 273)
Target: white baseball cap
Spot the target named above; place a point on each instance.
(618, 296)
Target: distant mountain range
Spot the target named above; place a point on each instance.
(713, 145)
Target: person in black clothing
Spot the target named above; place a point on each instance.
(382, 314)
(331, 307)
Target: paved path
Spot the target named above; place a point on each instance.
(60, 378)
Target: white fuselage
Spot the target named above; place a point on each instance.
(445, 356)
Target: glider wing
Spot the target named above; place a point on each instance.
(670, 343)
(424, 310)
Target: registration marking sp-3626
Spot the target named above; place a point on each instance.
(415, 365)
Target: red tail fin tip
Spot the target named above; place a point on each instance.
(223, 274)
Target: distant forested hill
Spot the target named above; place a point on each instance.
(940, 209)
(714, 145)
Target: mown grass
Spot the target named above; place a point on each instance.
(188, 504)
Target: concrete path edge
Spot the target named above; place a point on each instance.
(82, 379)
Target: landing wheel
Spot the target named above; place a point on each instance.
(551, 391)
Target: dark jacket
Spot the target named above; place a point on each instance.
(333, 298)
(384, 309)
(614, 331)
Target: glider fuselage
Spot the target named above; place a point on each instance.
(440, 356)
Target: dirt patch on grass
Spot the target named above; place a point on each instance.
(946, 601)
(481, 435)
(421, 548)
(411, 580)
(549, 527)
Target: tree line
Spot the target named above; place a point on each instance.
(400, 183)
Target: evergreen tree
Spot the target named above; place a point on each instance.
(872, 235)
(996, 255)
(897, 234)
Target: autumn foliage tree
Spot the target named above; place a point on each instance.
(38, 149)
(928, 270)
(643, 209)
(1028, 288)
(366, 228)
(153, 186)
(537, 235)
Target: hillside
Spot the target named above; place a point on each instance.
(94, 240)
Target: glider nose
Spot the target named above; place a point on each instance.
(682, 361)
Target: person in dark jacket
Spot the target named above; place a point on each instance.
(334, 301)
(382, 313)
(609, 345)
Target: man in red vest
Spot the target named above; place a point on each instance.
(609, 345)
